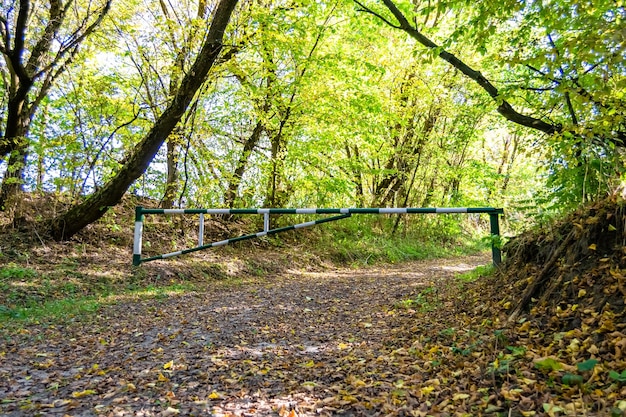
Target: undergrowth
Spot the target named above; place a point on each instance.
(366, 240)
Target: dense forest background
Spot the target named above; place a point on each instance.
(302, 103)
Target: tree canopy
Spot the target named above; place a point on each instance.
(307, 103)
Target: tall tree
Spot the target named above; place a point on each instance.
(96, 205)
(34, 57)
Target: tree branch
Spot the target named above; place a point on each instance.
(370, 11)
(504, 107)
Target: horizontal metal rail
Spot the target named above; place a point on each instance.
(418, 210)
(494, 214)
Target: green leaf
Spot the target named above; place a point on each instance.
(572, 379)
(549, 364)
(617, 376)
(587, 365)
(551, 408)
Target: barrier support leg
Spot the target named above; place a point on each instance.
(201, 230)
(138, 233)
(266, 222)
(496, 254)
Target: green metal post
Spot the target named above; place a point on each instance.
(496, 254)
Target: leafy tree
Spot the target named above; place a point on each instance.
(94, 207)
(37, 44)
(562, 65)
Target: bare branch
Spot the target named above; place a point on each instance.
(20, 27)
(538, 89)
(42, 47)
(72, 46)
(370, 11)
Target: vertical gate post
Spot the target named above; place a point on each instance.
(496, 254)
(201, 230)
(138, 233)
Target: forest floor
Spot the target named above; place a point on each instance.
(411, 339)
(282, 332)
(340, 341)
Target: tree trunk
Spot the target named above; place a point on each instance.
(76, 218)
(248, 148)
(12, 183)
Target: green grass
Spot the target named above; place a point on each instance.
(478, 272)
(55, 311)
(365, 240)
(51, 310)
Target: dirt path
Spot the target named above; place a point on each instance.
(301, 344)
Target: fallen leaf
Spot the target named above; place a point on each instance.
(170, 411)
(81, 394)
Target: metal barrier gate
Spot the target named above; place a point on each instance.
(494, 214)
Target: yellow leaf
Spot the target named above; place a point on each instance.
(507, 305)
(81, 394)
(214, 396)
(528, 413)
(592, 246)
(162, 378)
(612, 228)
(358, 383)
(309, 364)
(168, 365)
(582, 293)
(427, 390)
(511, 395)
(460, 396)
(170, 411)
(342, 346)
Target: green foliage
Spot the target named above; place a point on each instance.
(549, 365)
(587, 365)
(13, 271)
(351, 112)
(477, 273)
(619, 377)
(362, 240)
(424, 301)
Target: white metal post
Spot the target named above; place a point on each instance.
(201, 230)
